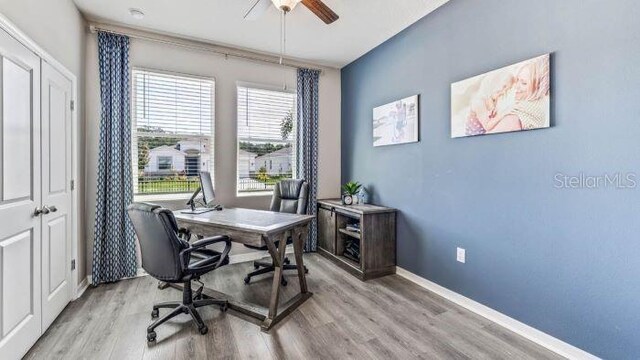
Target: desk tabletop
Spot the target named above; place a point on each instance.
(258, 221)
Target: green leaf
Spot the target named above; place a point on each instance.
(351, 188)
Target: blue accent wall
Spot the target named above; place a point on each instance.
(564, 261)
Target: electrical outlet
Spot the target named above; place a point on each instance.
(461, 255)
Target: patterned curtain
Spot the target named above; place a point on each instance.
(114, 249)
(307, 143)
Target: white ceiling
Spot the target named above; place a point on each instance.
(363, 24)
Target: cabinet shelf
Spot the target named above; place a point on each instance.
(350, 233)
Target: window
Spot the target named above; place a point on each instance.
(165, 162)
(266, 138)
(173, 117)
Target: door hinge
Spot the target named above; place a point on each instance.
(73, 264)
(73, 105)
(73, 184)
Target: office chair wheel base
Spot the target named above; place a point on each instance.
(203, 330)
(155, 313)
(224, 307)
(256, 266)
(247, 280)
(151, 337)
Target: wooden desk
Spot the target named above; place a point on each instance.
(257, 228)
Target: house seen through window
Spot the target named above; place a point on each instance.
(165, 163)
(266, 138)
(173, 132)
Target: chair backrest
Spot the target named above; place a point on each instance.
(160, 245)
(290, 196)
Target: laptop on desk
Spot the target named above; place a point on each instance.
(208, 197)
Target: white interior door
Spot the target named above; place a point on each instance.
(20, 194)
(56, 193)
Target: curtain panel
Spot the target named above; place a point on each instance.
(114, 249)
(307, 143)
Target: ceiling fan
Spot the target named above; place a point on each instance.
(316, 6)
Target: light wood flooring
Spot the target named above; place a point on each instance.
(388, 318)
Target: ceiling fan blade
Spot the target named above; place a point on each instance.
(257, 10)
(321, 10)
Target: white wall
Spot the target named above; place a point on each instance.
(226, 72)
(59, 28)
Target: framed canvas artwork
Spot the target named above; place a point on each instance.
(396, 122)
(514, 98)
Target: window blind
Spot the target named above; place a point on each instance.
(173, 123)
(171, 104)
(260, 114)
(266, 137)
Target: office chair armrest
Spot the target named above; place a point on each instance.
(185, 254)
(211, 240)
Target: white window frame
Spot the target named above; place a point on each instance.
(267, 87)
(134, 133)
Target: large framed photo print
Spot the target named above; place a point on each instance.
(396, 122)
(513, 98)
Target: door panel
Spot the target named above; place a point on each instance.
(56, 193)
(16, 259)
(56, 247)
(20, 194)
(58, 165)
(16, 134)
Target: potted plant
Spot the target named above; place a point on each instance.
(350, 192)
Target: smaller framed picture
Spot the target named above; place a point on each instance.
(396, 122)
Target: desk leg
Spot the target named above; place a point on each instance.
(272, 315)
(278, 260)
(300, 236)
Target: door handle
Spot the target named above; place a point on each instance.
(47, 209)
(40, 211)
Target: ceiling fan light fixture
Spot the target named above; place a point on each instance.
(285, 5)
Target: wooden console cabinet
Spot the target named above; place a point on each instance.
(376, 239)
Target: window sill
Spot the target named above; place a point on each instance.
(255, 194)
(161, 197)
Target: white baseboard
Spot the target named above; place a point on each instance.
(140, 272)
(81, 288)
(558, 346)
(233, 259)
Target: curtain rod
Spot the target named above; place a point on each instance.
(197, 45)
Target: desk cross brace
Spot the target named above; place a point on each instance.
(270, 316)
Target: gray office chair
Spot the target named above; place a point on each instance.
(289, 196)
(168, 258)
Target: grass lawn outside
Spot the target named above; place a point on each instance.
(167, 186)
(175, 186)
